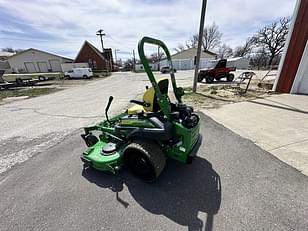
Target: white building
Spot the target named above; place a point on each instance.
(33, 60)
(185, 60)
(238, 62)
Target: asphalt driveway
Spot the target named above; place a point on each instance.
(231, 185)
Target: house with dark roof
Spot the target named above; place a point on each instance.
(34, 60)
(94, 57)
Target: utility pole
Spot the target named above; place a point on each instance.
(115, 54)
(199, 44)
(101, 34)
(134, 61)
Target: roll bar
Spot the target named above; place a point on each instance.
(178, 92)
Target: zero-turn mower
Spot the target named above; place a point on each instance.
(147, 133)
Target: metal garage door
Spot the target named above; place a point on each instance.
(55, 65)
(42, 66)
(30, 67)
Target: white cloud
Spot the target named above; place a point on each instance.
(69, 23)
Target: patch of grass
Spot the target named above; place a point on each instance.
(187, 88)
(215, 88)
(194, 97)
(31, 92)
(213, 92)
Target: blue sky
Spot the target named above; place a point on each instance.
(60, 26)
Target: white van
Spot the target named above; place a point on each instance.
(79, 73)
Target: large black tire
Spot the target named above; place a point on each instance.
(230, 77)
(145, 159)
(209, 78)
(200, 77)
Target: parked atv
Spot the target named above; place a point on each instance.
(147, 133)
(217, 70)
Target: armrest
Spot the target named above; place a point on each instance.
(142, 103)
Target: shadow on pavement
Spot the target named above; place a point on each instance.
(179, 194)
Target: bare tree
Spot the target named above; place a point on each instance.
(272, 37)
(156, 57)
(211, 39)
(179, 48)
(128, 64)
(243, 50)
(259, 58)
(193, 42)
(225, 51)
(11, 50)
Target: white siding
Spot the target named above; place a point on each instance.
(300, 84)
(239, 63)
(185, 64)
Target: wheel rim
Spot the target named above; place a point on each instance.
(141, 166)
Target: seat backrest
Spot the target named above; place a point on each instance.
(150, 97)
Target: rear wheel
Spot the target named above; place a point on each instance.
(230, 77)
(145, 159)
(209, 78)
(85, 76)
(42, 78)
(200, 77)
